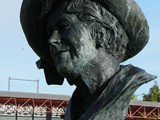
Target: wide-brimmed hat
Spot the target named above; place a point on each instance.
(130, 16)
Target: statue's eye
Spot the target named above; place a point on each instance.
(63, 25)
(86, 17)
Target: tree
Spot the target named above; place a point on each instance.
(153, 95)
(134, 97)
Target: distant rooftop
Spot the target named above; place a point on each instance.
(65, 97)
(145, 103)
(34, 95)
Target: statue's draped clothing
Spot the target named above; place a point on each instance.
(113, 100)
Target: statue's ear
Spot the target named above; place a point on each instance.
(50, 72)
(100, 36)
(103, 36)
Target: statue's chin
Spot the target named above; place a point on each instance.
(63, 63)
(64, 69)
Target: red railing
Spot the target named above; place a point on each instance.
(56, 106)
(144, 111)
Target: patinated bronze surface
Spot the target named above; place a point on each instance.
(85, 41)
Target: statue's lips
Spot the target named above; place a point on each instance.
(57, 50)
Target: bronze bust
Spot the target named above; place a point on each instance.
(85, 41)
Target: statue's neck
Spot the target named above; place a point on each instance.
(94, 75)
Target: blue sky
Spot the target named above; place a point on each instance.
(17, 60)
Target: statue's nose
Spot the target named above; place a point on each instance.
(55, 38)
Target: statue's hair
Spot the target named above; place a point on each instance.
(116, 38)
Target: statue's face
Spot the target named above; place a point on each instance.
(71, 44)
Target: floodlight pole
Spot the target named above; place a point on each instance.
(38, 86)
(9, 82)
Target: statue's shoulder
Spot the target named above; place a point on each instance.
(116, 95)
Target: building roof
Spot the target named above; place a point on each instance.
(33, 95)
(64, 97)
(145, 103)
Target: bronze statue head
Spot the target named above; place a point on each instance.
(118, 26)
